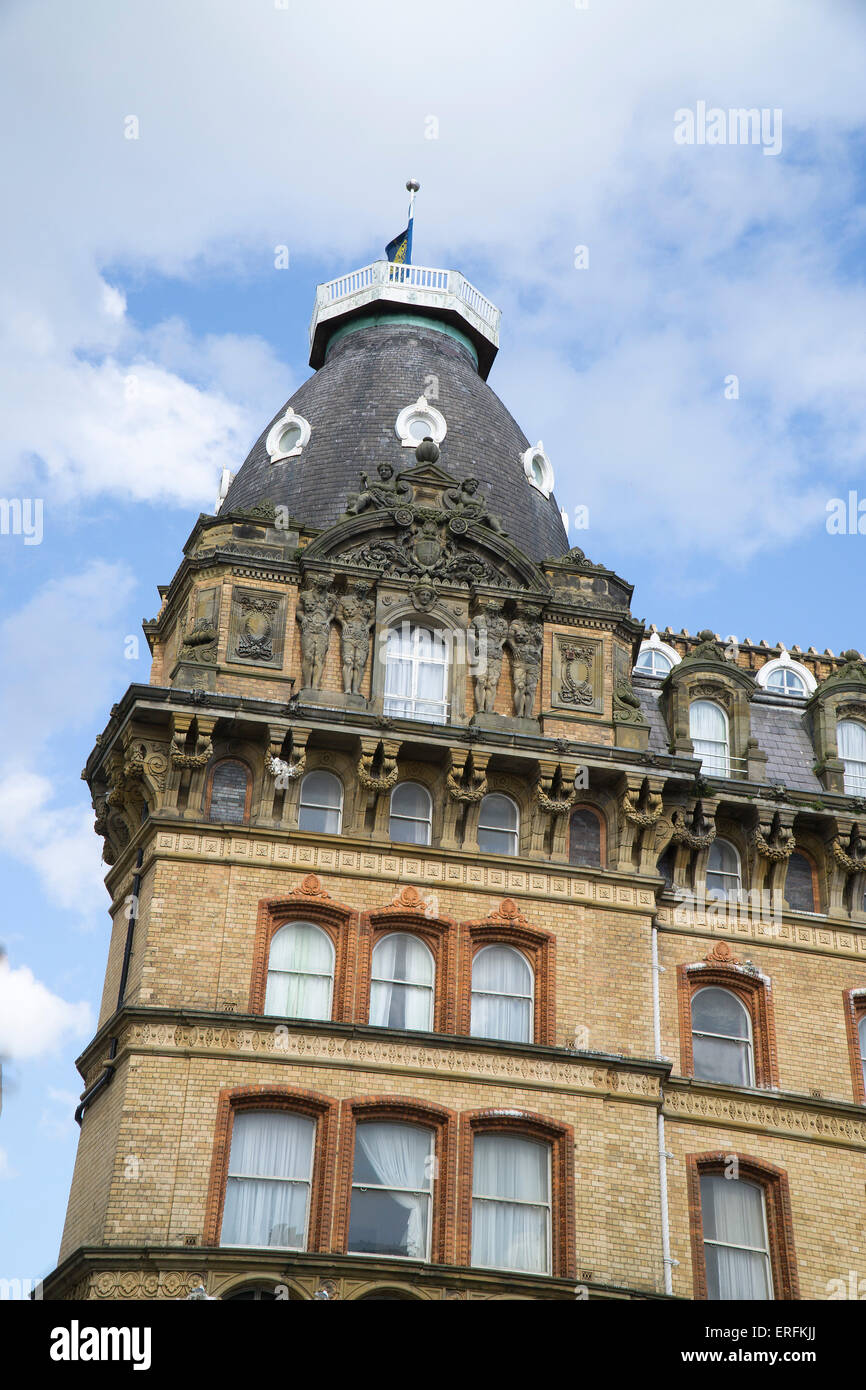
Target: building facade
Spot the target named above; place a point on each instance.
(470, 940)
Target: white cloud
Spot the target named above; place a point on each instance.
(7, 1172)
(33, 1020)
(56, 841)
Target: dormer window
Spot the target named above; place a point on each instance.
(851, 737)
(538, 469)
(420, 421)
(288, 436)
(656, 657)
(786, 677)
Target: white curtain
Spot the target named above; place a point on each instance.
(416, 673)
(300, 972)
(399, 672)
(733, 1216)
(501, 995)
(259, 1208)
(708, 729)
(851, 740)
(401, 994)
(508, 1174)
(393, 1156)
(863, 1046)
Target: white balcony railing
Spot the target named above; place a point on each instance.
(416, 284)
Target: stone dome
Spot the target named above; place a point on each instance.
(374, 367)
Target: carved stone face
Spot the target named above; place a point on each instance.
(385, 471)
(470, 486)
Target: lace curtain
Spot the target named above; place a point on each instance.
(300, 972)
(501, 995)
(386, 1218)
(510, 1206)
(401, 994)
(268, 1184)
(733, 1218)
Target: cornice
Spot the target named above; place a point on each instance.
(822, 937)
(833, 1122)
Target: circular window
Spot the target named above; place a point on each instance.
(288, 436)
(420, 421)
(538, 469)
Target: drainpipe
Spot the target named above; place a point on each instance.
(667, 1262)
(106, 1077)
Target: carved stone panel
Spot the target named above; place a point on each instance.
(257, 627)
(577, 679)
(200, 637)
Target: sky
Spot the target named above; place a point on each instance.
(684, 325)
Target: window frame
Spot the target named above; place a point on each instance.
(310, 1104)
(602, 835)
(852, 785)
(507, 926)
(749, 1039)
(391, 1109)
(380, 1187)
(411, 782)
(516, 1201)
(430, 989)
(306, 974)
(215, 765)
(816, 908)
(706, 769)
(723, 971)
(309, 902)
(560, 1139)
(724, 873)
(514, 834)
(502, 946)
(855, 1017)
(414, 661)
(327, 772)
(773, 1182)
(246, 1177)
(439, 935)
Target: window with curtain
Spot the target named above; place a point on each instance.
(502, 995)
(498, 825)
(228, 793)
(392, 1190)
(511, 1203)
(300, 972)
(270, 1172)
(851, 738)
(708, 730)
(411, 814)
(722, 1037)
(416, 674)
(723, 871)
(321, 808)
(584, 838)
(800, 884)
(401, 988)
(736, 1245)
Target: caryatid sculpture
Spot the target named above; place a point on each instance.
(526, 644)
(355, 613)
(492, 629)
(314, 613)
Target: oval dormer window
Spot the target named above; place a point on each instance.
(538, 469)
(420, 421)
(288, 436)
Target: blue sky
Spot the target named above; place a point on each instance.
(146, 336)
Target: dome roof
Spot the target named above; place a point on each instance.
(372, 370)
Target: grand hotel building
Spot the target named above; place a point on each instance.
(470, 941)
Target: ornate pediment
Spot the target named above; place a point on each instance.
(425, 525)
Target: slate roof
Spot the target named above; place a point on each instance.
(777, 723)
(352, 403)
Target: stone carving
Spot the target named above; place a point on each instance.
(626, 705)
(466, 504)
(696, 834)
(354, 613)
(721, 954)
(256, 627)
(646, 810)
(553, 793)
(575, 682)
(181, 757)
(376, 771)
(314, 613)
(852, 857)
(491, 630)
(708, 648)
(525, 641)
(200, 643)
(508, 912)
(283, 771)
(389, 492)
(425, 553)
(778, 845)
(468, 787)
(410, 898)
(310, 886)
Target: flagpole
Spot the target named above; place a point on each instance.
(413, 186)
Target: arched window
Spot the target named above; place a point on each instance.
(300, 972)
(229, 793)
(267, 1201)
(584, 838)
(321, 808)
(722, 1037)
(800, 884)
(251, 1293)
(511, 1203)
(708, 730)
(852, 750)
(861, 1031)
(786, 681)
(735, 1238)
(411, 814)
(402, 977)
(498, 825)
(653, 662)
(392, 1190)
(416, 674)
(723, 871)
(502, 995)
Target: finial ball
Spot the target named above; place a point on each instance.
(413, 185)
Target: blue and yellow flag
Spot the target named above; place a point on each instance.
(400, 249)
